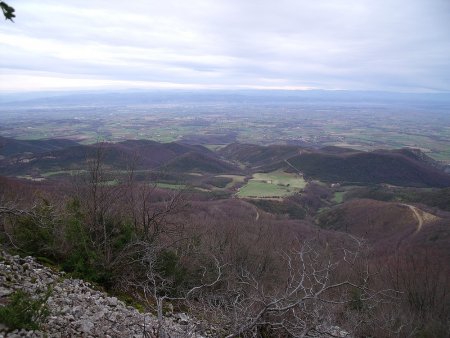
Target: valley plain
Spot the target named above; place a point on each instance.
(351, 120)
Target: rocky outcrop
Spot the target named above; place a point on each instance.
(78, 310)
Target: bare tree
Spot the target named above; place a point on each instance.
(318, 287)
(144, 277)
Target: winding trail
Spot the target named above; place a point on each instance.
(417, 215)
(421, 216)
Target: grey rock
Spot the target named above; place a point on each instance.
(85, 326)
(113, 301)
(5, 292)
(182, 318)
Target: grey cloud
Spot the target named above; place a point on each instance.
(356, 44)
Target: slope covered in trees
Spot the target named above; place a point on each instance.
(247, 265)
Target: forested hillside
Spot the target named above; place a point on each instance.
(245, 266)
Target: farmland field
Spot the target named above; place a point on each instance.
(170, 186)
(276, 184)
(339, 196)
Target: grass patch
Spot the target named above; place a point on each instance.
(281, 178)
(338, 196)
(276, 184)
(171, 186)
(258, 189)
(25, 311)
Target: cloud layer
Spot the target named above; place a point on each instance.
(392, 45)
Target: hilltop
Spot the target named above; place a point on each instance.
(126, 155)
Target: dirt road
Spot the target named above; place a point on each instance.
(421, 216)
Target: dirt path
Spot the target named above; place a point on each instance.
(421, 216)
(417, 215)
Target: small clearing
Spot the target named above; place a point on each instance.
(338, 197)
(276, 184)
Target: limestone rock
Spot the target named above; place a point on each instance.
(78, 310)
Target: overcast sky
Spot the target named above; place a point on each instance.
(388, 45)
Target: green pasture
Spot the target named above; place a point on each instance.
(338, 196)
(281, 178)
(276, 184)
(171, 186)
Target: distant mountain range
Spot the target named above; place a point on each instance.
(11, 147)
(106, 98)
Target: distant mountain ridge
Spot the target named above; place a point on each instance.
(256, 156)
(136, 154)
(11, 147)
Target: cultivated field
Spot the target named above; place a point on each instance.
(276, 184)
